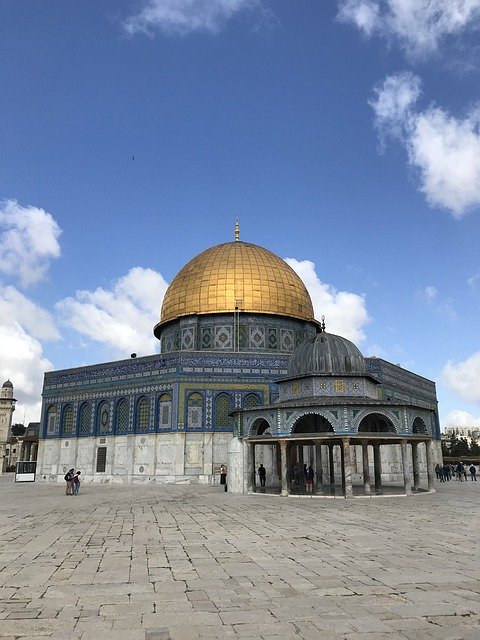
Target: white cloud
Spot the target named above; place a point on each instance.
(28, 241)
(445, 150)
(430, 292)
(462, 377)
(121, 318)
(460, 418)
(429, 297)
(181, 17)
(22, 361)
(345, 313)
(15, 307)
(419, 26)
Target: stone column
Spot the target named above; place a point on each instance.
(347, 468)
(319, 465)
(331, 465)
(430, 471)
(366, 469)
(416, 467)
(300, 462)
(342, 465)
(407, 481)
(377, 463)
(250, 467)
(283, 468)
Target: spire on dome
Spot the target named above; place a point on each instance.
(237, 231)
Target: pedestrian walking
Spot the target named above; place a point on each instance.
(473, 472)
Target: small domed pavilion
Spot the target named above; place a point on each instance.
(331, 415)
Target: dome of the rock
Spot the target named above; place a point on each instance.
(236, 276)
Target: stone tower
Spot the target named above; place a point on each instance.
(7, 407)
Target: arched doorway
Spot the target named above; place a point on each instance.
(267, 456)
(304, 454)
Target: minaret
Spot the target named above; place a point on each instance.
(7, 407)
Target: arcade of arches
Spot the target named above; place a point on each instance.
(344, 464)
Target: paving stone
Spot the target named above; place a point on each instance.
(196, 563)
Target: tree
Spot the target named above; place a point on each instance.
(18, 430)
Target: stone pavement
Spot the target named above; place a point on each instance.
(188, 562)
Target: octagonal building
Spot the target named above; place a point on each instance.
(231, 320)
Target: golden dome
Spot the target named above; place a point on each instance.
(236, 275)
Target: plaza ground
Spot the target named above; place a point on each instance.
(184, 562)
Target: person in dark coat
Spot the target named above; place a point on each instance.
(262, 474)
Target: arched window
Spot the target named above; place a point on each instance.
(122, 416)
(103, 417)
(142, 414)
(51, 419)
(85, 419)
(419, 426)
(222, 409)
(194, 411)
(251, 401)
(67, 426)
(165, 411)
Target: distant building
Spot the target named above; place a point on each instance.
(7, 407)
(468, 433)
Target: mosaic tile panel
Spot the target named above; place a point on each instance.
(256, 338)
(223, 337)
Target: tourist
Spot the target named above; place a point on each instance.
(446, 472)
(68, 477)
(309, 479)
(223, 474)
(76, 483)
(262, 474)
(459, 471)
(437, 471)
(473, 472)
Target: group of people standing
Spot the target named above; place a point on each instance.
(308, 476)
(458, 471)
(72, 479)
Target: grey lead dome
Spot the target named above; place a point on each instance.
(326, 354)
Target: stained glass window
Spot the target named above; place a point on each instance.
(222, 409)
(250, 401)
(122, 416)
(85, 418)
(142, 414)
(68, 420)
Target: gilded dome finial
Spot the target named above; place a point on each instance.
(237, 231)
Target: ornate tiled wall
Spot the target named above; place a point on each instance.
(344, 419)
(324, 386)
(229, 332)
(239, 378)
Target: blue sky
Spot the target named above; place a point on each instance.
(344, 135)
